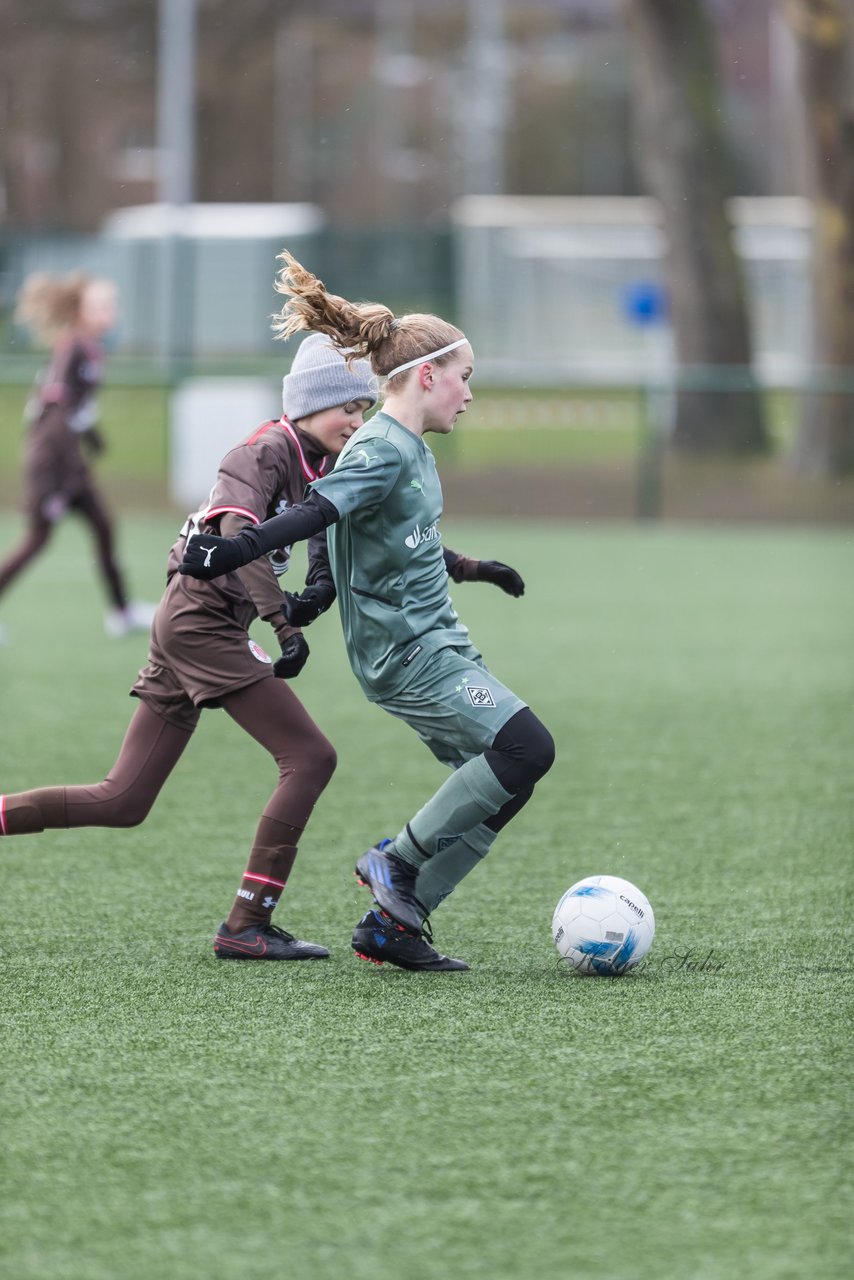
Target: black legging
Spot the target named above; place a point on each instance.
(90, 506)
(523, 752)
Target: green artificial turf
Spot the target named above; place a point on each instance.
(164, 1114)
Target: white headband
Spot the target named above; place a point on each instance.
(410, 364)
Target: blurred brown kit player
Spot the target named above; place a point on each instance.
(73, 315)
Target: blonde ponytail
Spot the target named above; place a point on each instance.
(367, 330)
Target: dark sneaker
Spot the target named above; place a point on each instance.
(380, 939)
(264, 942)
(392, 882)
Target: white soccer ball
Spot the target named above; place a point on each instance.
(603, 926)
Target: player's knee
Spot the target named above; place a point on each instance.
(325, 759)
(116, 807)
(130, 813)
(523, 752)
(542, 752)
(314, 762)
(535, 760)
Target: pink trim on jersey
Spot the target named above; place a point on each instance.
(265, 426)
(220, 511)
(248, 875)
(307, 469)
(3, 831)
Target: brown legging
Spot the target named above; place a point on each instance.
(268, 711)
(90, 506)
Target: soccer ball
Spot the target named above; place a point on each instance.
(603, 926)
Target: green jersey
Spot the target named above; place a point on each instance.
(386, 556)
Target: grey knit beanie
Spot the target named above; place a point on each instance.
(320, 378)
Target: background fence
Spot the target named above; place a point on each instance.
(571, 453)
(561, 298)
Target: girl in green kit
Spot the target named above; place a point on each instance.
(409, 651)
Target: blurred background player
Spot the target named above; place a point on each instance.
(201, 656)
(72, 314)
(408, 649)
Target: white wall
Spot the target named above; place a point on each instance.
(208, 416)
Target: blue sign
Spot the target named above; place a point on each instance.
(644, 303)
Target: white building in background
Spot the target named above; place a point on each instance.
(194, 279)
(545, 283)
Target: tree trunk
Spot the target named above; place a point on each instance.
(825, 33)
(681, 156)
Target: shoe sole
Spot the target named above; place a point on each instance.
(410, 968)
(238, 955)
(223, 954)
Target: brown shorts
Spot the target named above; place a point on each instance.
(200, 650)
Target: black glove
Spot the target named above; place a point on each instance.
(293, 659)
(93, 441)
(207, 556)
(500, 575)
(302, 609)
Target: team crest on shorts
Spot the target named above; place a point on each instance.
(258, 652)
(479, 697)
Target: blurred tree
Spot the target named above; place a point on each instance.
(825, 33)
(76, 93)
(682, 158)
(234, 129)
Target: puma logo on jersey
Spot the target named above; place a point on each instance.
(416, 484)
(367, 458)
(419, 535)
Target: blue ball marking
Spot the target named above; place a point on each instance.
(628, 947)
(585, 891)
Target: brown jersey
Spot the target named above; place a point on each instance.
(200, 649)
(62, 408)
(258, 478)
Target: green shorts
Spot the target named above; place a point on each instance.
(455, 705)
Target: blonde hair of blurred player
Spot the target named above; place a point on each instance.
(50, 305)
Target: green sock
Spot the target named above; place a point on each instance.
(470, 796)
(441, 874)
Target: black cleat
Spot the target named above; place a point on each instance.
(264, 942)
(392, 882)
(380, 939)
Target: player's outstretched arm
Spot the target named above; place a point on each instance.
(208, 556)
(464, 569)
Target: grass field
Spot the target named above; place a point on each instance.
(164, 1114)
